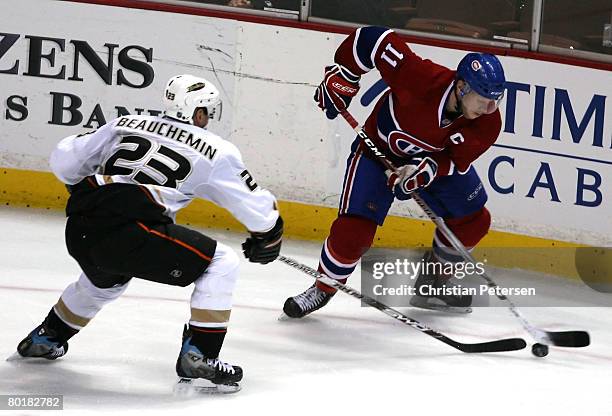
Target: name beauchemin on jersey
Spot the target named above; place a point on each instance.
(171, 132)
(403, 290)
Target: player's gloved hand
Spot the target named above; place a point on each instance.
(338, 88)
(417, 174)
(264, 247)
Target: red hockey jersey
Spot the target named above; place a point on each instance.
(409, 117)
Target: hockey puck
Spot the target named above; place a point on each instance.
(539, 350)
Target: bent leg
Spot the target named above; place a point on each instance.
(460, 200)
(364, 204)
(211, 304)
(349, 238)
(110, 256)
(82, 300)
(75, 308)
(211, 301)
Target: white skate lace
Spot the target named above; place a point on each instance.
(309, 299)
(217, 363)
(57, 352)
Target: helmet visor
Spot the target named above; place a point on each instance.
(480, 103)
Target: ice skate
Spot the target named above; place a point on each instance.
(306, 302)
(442, 286)
(40, 343)
(199, 374)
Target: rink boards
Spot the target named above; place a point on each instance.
(548, 176)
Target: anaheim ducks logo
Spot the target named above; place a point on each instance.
(196, 86)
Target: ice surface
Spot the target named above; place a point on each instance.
(344, 359)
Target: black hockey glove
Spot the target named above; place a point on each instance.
(264, 247)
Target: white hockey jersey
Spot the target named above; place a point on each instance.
(177, 162)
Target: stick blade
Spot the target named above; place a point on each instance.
(509, 344)
(573, 339)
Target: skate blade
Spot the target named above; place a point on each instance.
(425, 303)
(18, 357)
(15, 357)
(194, 386)
(284, 317)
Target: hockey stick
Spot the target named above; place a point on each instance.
(557, 338)
(509, 344)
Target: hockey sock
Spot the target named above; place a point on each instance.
(208, 340)
(349, 238)
(324, 287)
(63, 331)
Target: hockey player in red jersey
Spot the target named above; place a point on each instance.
(434, 122)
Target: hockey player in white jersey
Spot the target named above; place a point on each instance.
(127, 181)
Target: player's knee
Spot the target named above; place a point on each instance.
(214, 289)
(351, 236)
(228, 261)
(99, 295)
(223, 270)
(470, 229)
(83, 299)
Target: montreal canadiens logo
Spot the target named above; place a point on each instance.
(476, 66)
(401, 145)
